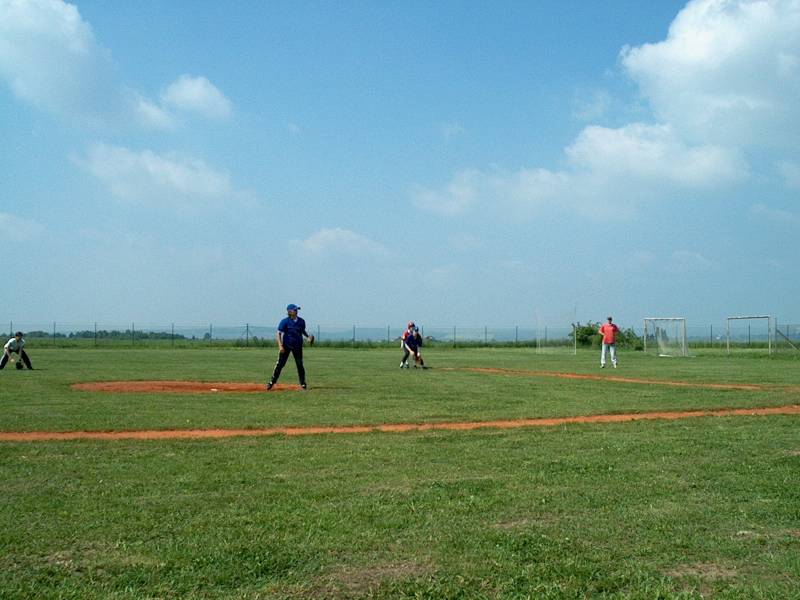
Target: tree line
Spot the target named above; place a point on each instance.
(104, 334)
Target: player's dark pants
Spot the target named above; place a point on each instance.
(407, 350)
(21, 353)
(406, 353)
(298, 360)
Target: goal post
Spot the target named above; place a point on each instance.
(665, 336)
(735, 332)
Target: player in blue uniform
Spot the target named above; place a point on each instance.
(289, 336)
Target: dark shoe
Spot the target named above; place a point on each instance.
(269, 385)
(303, 386)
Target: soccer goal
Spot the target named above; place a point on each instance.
(750, 332)
(665, 336)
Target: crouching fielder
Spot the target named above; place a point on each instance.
(15, 345)
(411, 342)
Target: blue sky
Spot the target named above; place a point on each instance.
(451, 162)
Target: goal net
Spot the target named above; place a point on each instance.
(750, 332)
(665, 336)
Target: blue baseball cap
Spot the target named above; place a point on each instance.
(292, 307)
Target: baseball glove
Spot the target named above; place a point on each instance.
(311, 340)
(19, 365)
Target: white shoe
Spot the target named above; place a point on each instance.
(602, 366)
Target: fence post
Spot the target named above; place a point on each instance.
(769, 336)
(711, 335)
(388, 335)
(172, 335)
(516, 335)
(454, 336)
(728, 335)
(317, 331)
(775, 334)
(485, 336)
(354, 335)
(211, 334)
(575, 338)
(95, 334)
(133, 338)
(54, 334)
(247, 336)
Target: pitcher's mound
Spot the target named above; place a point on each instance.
(179, 387)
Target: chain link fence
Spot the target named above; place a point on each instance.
(64, 334)
(744, 335)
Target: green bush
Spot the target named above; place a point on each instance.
(588, 336)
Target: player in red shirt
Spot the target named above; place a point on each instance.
(609, 332)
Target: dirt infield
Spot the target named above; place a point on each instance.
(222, 387)
(33, 436)
(178, 387)
(202, 387)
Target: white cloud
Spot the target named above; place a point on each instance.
(50, 58)
(609, 170)
(187, 94)
(151, 178)
(17, 229)
(196, 94)
(724, 81)
(336, 240)
(728, 72)
(459, 195)
(652, 153)
(153, 116)
(518, 193)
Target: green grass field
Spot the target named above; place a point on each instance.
(702, 507)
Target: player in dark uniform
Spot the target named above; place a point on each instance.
(411, 343)
(289, 336)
